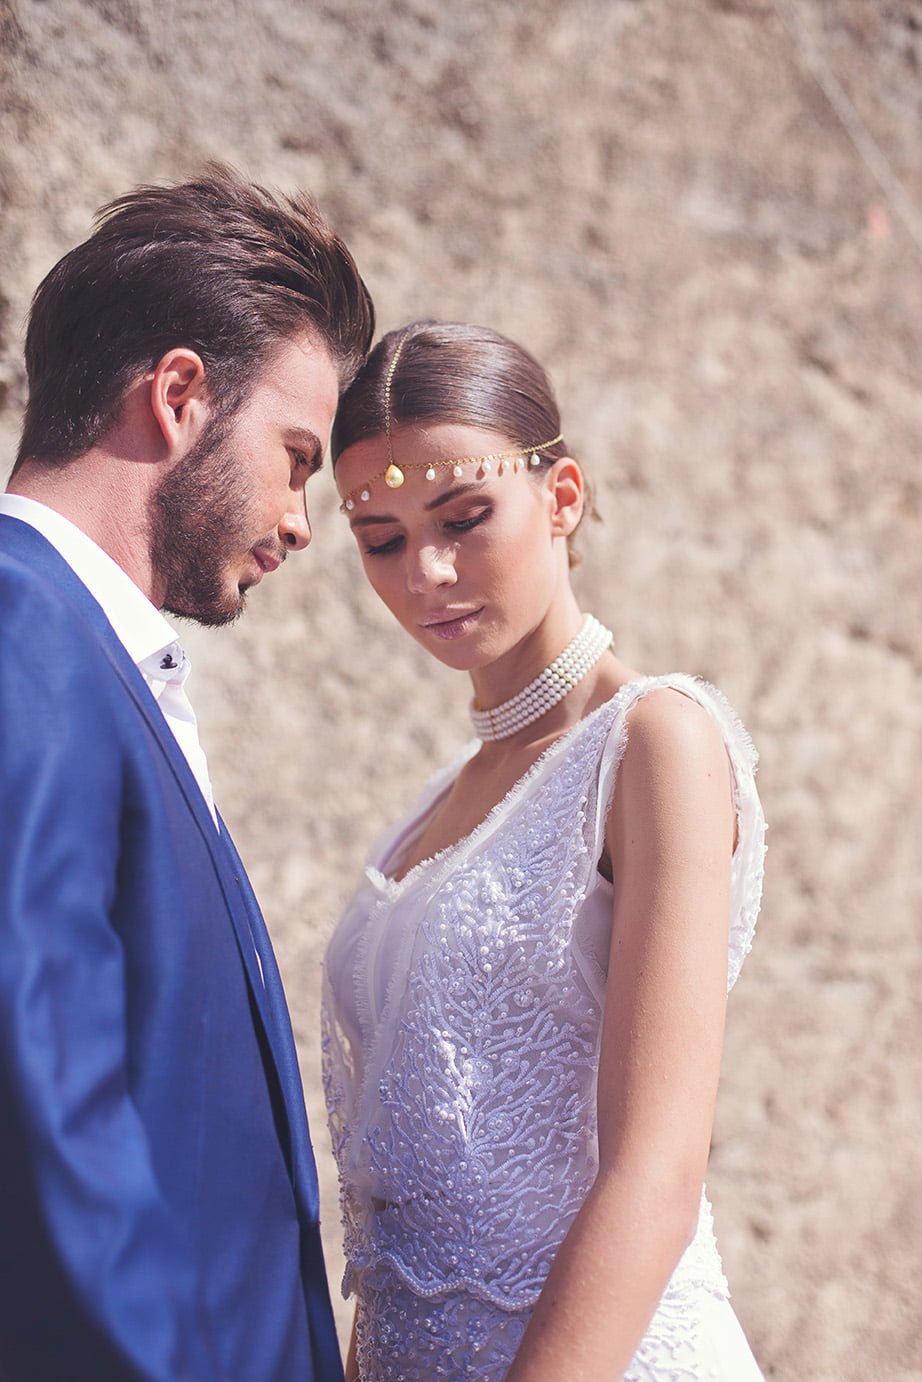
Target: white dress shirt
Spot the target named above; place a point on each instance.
(146, 636)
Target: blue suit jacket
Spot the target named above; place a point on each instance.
(158, 1196)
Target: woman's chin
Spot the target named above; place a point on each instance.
(463, 653)
(454, 640)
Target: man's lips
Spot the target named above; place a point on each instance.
(264, 562)
(267, 561)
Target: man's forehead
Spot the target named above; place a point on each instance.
(300, 376)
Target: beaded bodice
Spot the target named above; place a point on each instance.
(462, 1016)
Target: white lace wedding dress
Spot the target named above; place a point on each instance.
(462, 1011)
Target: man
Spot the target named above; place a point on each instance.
(158, 1196)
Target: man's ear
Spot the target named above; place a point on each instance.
(178, 397)
(568, 493)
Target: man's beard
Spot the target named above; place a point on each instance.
(198, 524)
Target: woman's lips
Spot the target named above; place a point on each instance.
(451, 624)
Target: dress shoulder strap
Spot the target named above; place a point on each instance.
(748, 856)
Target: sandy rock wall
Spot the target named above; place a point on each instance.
(661, 202)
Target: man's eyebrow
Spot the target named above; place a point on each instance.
(307, 441)
(368, 520)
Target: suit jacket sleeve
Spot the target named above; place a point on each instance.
(96, 1278)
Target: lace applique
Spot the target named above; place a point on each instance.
(495, 1022)
(401, 1335)
(471, 1143)
(668, 1351)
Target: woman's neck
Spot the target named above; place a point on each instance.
(514, 670)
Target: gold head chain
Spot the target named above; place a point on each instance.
(394, 475)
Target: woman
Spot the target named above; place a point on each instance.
(524, 1002)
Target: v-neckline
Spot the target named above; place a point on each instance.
(433, 869)
(395, 887)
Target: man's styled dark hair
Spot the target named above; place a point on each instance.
(216, 264)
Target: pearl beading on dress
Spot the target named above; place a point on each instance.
(548, 687)
(463, 1111)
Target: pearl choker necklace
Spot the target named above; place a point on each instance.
(548, 687)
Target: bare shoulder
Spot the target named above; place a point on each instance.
(667, 726)
(675, 774)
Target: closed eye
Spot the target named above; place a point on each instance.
(454, 525)
(306, 463)
(383, 549)
(464, 525)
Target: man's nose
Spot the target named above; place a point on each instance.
(295, 527)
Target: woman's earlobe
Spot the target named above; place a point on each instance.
(567, 520)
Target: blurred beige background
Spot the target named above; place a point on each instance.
(660, 201)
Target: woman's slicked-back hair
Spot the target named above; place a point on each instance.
(216, 264)
(451, 372)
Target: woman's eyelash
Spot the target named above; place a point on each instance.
(456, 525)
(463, 525)
(382, 548)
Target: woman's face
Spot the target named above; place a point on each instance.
(468, 565)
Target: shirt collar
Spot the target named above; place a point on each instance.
(139, 625)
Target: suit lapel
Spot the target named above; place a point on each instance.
(282, 1038)
(213, 839)
(24, 542)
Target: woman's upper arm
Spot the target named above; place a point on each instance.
(670, 837)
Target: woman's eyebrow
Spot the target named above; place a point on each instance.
(366, 520)
(453, 494)
(369, 518)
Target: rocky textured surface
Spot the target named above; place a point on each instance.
(660, 201)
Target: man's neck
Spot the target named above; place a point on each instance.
(105, 497)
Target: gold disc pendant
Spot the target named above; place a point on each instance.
(394, 476)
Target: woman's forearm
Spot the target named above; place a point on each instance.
(607, 1279)
(669, 837)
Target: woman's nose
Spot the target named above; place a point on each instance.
(429, 568)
